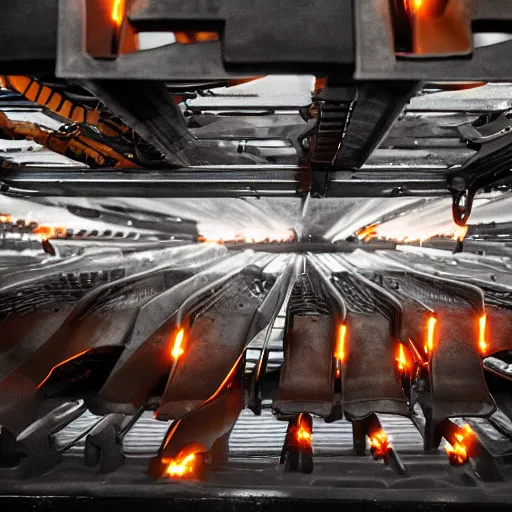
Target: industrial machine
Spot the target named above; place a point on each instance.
(255, 254)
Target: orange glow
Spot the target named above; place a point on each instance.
(458, 452)
(341, 341)
(379, 444)
(195, 37)
(401, 359)
(302, 433)
(367, 233)
(49, 232)
(482, 344)
(182, 466)
(431, 328)
(459, 232)
(177, 349)
(62, 363)
(409, 232)
(254, 236)
(118, 11)
(414, 6)
(5, 218)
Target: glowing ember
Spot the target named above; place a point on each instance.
(49, 232)
(379, 444)
(458, 452)
(482, 344)
(459, 232)
(340, 345)
(401, 359)
(182, 466)
(431, 326)
(303, 433)
(177, 349)
(117, 11)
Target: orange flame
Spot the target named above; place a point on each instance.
(431, 327)
(367, 233)
(339, 353)
(459, 232)
(401, 359)
(49, 232)
(380, 444)
(177, 349)
(118, 11)
(5, 218)
(458, 452)
(182, 466)
(303, 434)
(482, 344)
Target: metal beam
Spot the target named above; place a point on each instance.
(211, 181)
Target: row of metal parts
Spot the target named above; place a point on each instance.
(174, 340)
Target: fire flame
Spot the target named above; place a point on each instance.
(401, 359)
(380, 444)
(418, 357)
(5, 218)
(117, 12)
(458, 452)
(431, 327)
(177, 349)
(182, 466)
(482, 344)
(459, 232)
(340, 346)
(303, 434)
(49, 232)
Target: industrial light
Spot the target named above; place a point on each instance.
(379, 444)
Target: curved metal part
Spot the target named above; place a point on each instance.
(392, 305)
(334, 294)
(216, 332)
(306, 383)
(104, 317)
(454, 372)
(261, 366)
(370, 383)
(102, 445)
(147, 353)
(204, 428)
(39, 454)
